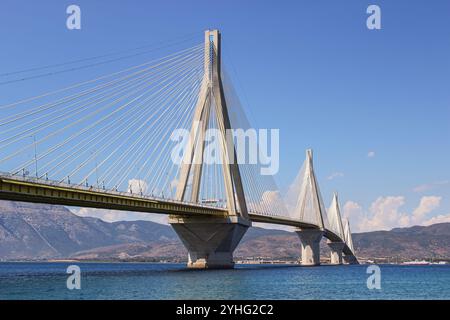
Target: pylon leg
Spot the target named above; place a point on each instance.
(350, 259)
(336, 252)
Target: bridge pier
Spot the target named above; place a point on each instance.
(336, 251)
(310, 240)
(210, 241)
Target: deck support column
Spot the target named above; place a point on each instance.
(210, 241)
(350, 259)
(310, 240)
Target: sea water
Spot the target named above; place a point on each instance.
(174, 281)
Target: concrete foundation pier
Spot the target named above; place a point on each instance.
(336, 252)
(310, 240)
(210, 241)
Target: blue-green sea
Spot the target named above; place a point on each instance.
(174, 281)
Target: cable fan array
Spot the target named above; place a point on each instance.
(112, 132)
(261, 191)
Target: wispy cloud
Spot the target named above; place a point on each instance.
(430, 186)
(335, 175)
(114, 215)
(371, 154)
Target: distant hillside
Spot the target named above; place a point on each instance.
(39, 232)
(36, 231)
(408, 243)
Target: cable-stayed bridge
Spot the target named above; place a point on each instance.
(115, 142)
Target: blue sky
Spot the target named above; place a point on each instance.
(310, 68)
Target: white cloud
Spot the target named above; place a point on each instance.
(270, 201)
(385, 213)
(437, 219)
(138, 186)
(354, 213)
(335, 175)
(426, 205)
(371, 154)
(174, 184)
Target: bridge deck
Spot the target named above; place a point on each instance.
(33, 190)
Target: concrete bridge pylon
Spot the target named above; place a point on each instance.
(211, 241)
(310, 209)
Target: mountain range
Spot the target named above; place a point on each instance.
(45, 232)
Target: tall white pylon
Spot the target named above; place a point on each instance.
(310, 208)
(348, 236)
(212, 95)
(334, 217)
(335, 224)
(211, 241)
